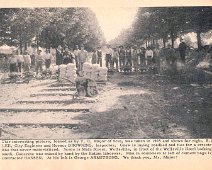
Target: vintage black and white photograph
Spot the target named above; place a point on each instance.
(106, 73)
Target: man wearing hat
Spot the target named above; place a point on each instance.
(83, 56)
(182, 49)
(121, 57)
(39, 62)
(59, 55)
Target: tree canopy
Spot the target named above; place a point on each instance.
(165, 23)
(50, 27)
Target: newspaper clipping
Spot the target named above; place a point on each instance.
(118, 85)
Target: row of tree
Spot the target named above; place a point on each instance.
(50, 27)
(154, 23)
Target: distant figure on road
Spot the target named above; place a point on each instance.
(182, 50)
(142, 56)
(134, 58)
(148, 55)
(108, 57)
(121, 58)
(83, 56)
(76, 54)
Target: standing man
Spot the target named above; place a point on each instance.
(72, 56)
(115, 59)
(76, 54)
(94, 57)
(142, 56)
(20, 60)
(108, 57)
(129, 57)
(156, 53)
(66, 57)
(134, 58)
(39, 62)
(48, 58)
(27, 61)
(171, 57)
(148, 55)
(13, 62)
(182, 49)
(83, 56)
(59, 55)
(121, 57)
(99, 56)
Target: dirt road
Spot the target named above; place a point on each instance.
(128, 106)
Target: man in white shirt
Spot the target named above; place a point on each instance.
(20, 60)
(48, 59)
(27, 61)
(83, 57)
(39, 62)
(148, 56)
(108, 57)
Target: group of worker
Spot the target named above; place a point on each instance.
(24, 62)
(78, 56)
(132, 57)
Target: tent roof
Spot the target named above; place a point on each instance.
(5, 49)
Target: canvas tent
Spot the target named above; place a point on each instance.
(5, 49)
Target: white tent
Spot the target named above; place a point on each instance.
(5, 49)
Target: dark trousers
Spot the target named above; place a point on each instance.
(99, 61)
(128, 61)
(19, 67)
(182, 56)
(142, 60)
(13, 67)
(39, 66)
(47, 63)
(108, 61)
(121, 63)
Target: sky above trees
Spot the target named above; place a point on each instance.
(113, 20)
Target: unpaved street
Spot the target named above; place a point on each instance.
(128, 106)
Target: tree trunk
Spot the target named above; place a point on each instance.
(25, 46)
(37, 43)
(164, 43)
(199, 43)
(172, 42)
(21, 45)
